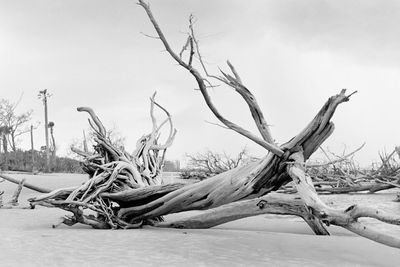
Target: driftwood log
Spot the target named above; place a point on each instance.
(124, 191)
(24, 184)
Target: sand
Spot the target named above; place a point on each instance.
(267, 240)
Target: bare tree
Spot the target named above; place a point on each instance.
(209, 163)
(122, 202)
(4, 132)
(13, 122)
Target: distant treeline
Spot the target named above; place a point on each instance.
(22, 161)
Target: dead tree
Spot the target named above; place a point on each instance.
(122, 202)
(209, 163)
(25, 184)
(342, 176)
(13, 122)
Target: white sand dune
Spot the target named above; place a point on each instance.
(27, 239)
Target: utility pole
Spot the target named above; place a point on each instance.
(44, 95)
(32, 150)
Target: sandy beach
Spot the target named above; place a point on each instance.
(268, 240)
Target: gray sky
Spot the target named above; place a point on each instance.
(292, 55)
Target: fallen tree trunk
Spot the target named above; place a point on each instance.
(360, 187)
(370, 187)
(122, 193)
(25, 184)
(269, 204)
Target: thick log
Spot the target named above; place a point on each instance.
(233, 185)
(272, 203)
(360, 187)
(139, 196)
(27, 185)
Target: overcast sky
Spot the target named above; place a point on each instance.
(293, 55)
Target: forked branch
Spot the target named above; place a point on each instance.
(267, 141)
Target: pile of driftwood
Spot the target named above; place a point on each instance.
(124, 191)
(341, 175)
(201, 166)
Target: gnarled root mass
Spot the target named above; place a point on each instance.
(111, 170)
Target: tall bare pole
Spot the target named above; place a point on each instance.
(43, 95)
(32, 150)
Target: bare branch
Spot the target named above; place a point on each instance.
(342, 158)
(200, 80)
(238, 79)
(249, 98)
(239, 87)
(161, 34)
(219, 125)
(191, 51)
(185, 46)
(150, 36)
(94, 117)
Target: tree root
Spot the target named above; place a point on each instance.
(112, 171)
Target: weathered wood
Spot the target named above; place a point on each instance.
(361, 187)
(112, 170)
(27, 185)
(345, 218)
(17, 192)
(269, 204)
(136, 197)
